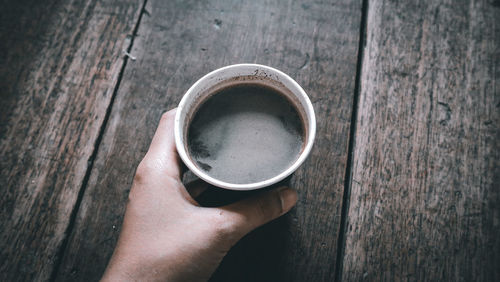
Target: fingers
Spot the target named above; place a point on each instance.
(196, 187)
(162, 154)
(251, 213)
(163, 140)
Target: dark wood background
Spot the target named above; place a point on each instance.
(403, 180)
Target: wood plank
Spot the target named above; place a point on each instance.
(59, 63)
(178, 42)
(424, 204)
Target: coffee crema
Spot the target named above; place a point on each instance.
(245, 133)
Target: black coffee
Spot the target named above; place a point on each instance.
(245, 133)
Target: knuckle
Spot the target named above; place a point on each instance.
(223, 226)
(262, 207)
(269, 206)
(142, 171)
(131, 197)
(132, 194)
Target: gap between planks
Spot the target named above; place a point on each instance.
(339, 262)
(90, 163)
(347, 178)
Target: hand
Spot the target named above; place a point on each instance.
(166, 235)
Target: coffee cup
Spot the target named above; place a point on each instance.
(244, 127)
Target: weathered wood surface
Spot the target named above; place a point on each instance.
(425, 200)
(59, 62)
(177, 43)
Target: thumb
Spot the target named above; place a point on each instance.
(248, 214)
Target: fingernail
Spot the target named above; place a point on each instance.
(288, 198)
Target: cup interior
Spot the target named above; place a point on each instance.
(225, 77)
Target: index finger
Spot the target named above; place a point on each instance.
(162, 151)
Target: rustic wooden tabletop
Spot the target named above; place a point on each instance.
(403, 181)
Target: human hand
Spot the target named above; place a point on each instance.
(166, 235)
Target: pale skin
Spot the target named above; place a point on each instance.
(166, 235)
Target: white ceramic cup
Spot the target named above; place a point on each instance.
(231, 75)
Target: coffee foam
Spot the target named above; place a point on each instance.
(245, 132)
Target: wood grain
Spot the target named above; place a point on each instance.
(59, 63)
(180, 41)
(425, 203)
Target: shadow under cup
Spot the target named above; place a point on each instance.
(244, 127)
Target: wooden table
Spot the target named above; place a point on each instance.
(403, 181)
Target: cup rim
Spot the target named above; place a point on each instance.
(256, 185)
